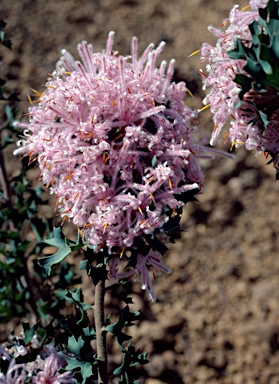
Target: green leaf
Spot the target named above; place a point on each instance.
(65, 247)
(238, 52)
(76, 298)
(131, 358)
(126, 319)
(29, 332)
(266, 67)
(83, 265)
(82, 367)
(74, 346)
(89, 332)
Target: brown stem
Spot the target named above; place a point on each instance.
(100, 332)
(4, 181)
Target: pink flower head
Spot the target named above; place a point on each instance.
(50, 374)
(39, 371)
(223, 95)
(114, 141)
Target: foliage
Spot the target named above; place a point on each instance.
(262, 56)
(260, 83)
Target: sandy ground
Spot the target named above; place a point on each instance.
(216, 319)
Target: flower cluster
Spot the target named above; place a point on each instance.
(145, 264)
(44, 370)
(224, 94)
(115, 142)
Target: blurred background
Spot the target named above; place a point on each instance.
(217, 315)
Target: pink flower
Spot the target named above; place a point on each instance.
(254, 120)
(115, 142)
(50, 374)
(146, 267)
(223, 96)
(38, 372)
(255, 4)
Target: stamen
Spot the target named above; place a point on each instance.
(69, 176)
(202, 73)
(204, 108)
(152, 197)
(63, 220)
(119, 136)
(170, 183)
(194, 53)
(189, 92)
(87, 225)
(89, 135)
(105, 227)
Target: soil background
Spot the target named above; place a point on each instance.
(216, 319)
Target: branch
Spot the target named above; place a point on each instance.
(101, 332)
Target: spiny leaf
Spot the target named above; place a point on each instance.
(65, 247)
(84, 368)
(74, 346)
(131, 358)
(126, 319)
(76, 298)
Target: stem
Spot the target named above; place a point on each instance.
(100, 332)
(7, 191)
(31, 289)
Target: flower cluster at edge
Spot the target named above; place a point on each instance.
(44, 369)
(117, 145)
(223, 95)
